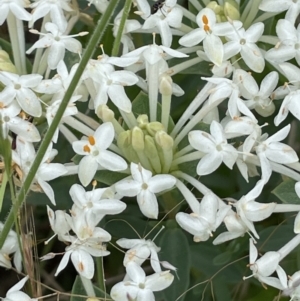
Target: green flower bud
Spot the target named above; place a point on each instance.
(142, 121)
(165, 87)
(154, 127)
(5, 63)
(137, 139)
(124, 143)
(105, 113)
(231, 9)
(152, 154)
(164, 140)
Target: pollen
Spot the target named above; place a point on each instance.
(80, 266)
(205, 22)
(86, 148)
(92, 140)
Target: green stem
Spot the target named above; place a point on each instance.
(95, 39)
(100, 274)
(116, 45)
(16, 33)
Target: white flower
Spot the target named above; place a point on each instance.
(243, 41)
(144, 187)
(60, 82)
(14, 293)
(292, 7)
(215, 148)
(289, 38)
(273, 150)
(59, 223)
(55, 8)
(20, 88)
(139, 251)
(293, 289)
(258, 99)
(235, 226)
(250, 211)
(101, 5)
(52, 109)
(290, 104)
(93, 204)
(112, 84)
(138, 286)
(208, 32)
(10, 121)
(88, 242)
(24, 156)
(57, 43)
(17, 7)
(205, 220)
(96, 154)
(167, 16)
(153, 53)
(10, 246)
(265, 266)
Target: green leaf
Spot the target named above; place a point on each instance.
(109, 177)
(175, 249)
(285, 191)
(79, 293)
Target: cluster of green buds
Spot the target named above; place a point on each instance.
(148, 144)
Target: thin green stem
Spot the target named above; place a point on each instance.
(95, 39)
(100, 274)
(117, 41)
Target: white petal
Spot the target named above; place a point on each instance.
(83, 263)
(87, 169)
(160, 183)
(148, 204)
(209, 163)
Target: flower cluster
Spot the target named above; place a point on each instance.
(116, 113)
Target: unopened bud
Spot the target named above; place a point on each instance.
(231, 10)
(105, 113)
(165, 141)
(154, 127)
(124, 140)
(5, 63)
(137, 139)
(165, 86)
(142, 121)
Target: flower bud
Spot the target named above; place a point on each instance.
(165, 86)
(137, 139)
(165, 141)
(105, 113)
(124, 143)
(154, 127)
(231, 10)
(5, 63)
(142, 121)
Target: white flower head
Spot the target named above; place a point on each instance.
(17, 7)
(292, 7)
(273, 150)
(243, 41)
(265, 266)
(57, 43)
(14, 293)
(250, 211)
(24, 156)
(138, 286)
(96, 154)
(167, 16)
(205, 220)
(20, 88)
(139, 251)
(215, 148)
(145, 186)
